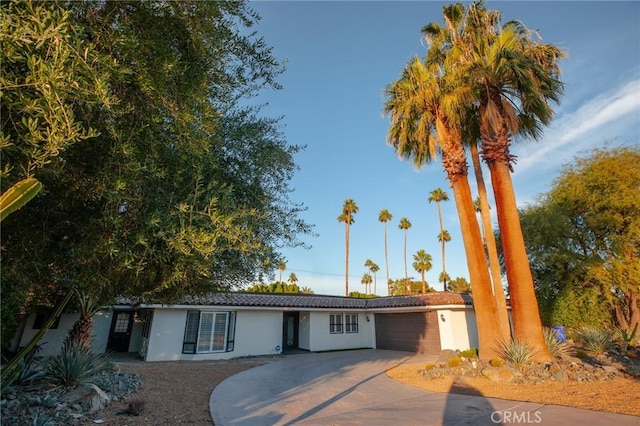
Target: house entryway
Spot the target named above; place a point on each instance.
(290, 331)
(120, 331)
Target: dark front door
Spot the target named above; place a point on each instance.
(291, 321)
(120, 332)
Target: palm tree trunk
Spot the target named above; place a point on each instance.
(386, 258)
(492, 251)
(424, 286)
(346, 263)
(444, 272)
(527, 326)
(483, 301)
(406, 271)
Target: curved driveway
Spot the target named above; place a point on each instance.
(351, 388)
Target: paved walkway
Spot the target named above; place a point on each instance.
(351, 388)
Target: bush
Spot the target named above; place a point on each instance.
(516, 352)
(429, 367)
(454, 362)
(496, 362)
(470, 353)
(74, 365)
(556, 348)
(597, 340)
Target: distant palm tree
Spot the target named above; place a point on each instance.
(349, 208)
(422, 264)
(366, 281)
(405, 225)
(282, 266)
(438, 195)
(293, 279)
(373, 268)
(384, 216)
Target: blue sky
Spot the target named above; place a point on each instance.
(341, 55)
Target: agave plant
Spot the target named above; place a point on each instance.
(74, 365)
(515, 351)
(597, 340)
(556, 348)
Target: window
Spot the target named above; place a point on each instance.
(335, 323)
(207, 332)
(42, 316)
(351, 323)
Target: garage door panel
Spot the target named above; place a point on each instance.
(413, 332)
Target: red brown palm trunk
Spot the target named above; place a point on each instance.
(527, 326)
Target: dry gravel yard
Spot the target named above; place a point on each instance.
(174, 393)
(177, 393)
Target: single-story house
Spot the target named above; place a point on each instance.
(250, 324)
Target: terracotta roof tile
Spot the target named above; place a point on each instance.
(327, 302)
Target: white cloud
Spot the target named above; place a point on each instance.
(588, 126)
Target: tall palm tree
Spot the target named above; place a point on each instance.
(282, 266)
(366, 281)
(349, 208)
(438, 195)
(384, 216)
(422, 264)
(405, 225)
(511, 78)
(422, 122)
(373, 268)
(482, 205)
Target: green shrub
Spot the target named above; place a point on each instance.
(74, 366)
(516, 352)
(556, 348)
(470, 353)
(454, 362)
(597, 340)
(496, 362)
(429, 367)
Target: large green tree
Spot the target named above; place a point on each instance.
(175, 186)
(583, 240)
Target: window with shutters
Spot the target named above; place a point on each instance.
(335, 323)
(351, 323)
(207, 332)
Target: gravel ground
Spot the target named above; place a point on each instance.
(175, 392)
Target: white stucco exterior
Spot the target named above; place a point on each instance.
(457, 326)
(322, 340)
(257, 332)
(52, 342)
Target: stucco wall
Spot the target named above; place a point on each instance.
(304, 331)
(53, 339)
(322, 340)
(458, 331)
(256, 333)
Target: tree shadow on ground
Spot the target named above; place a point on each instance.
(462, 410)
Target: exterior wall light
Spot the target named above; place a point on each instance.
(442, 317)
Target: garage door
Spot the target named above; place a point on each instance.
(414, 332)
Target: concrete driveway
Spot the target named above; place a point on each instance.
(351, 388)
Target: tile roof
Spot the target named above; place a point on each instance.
(330, 302)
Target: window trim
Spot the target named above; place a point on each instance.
(192, 342)
(351, 327)
(336, 327)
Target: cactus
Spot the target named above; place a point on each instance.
(18, 195)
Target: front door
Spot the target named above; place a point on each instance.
(290, 326)
(120, 332)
